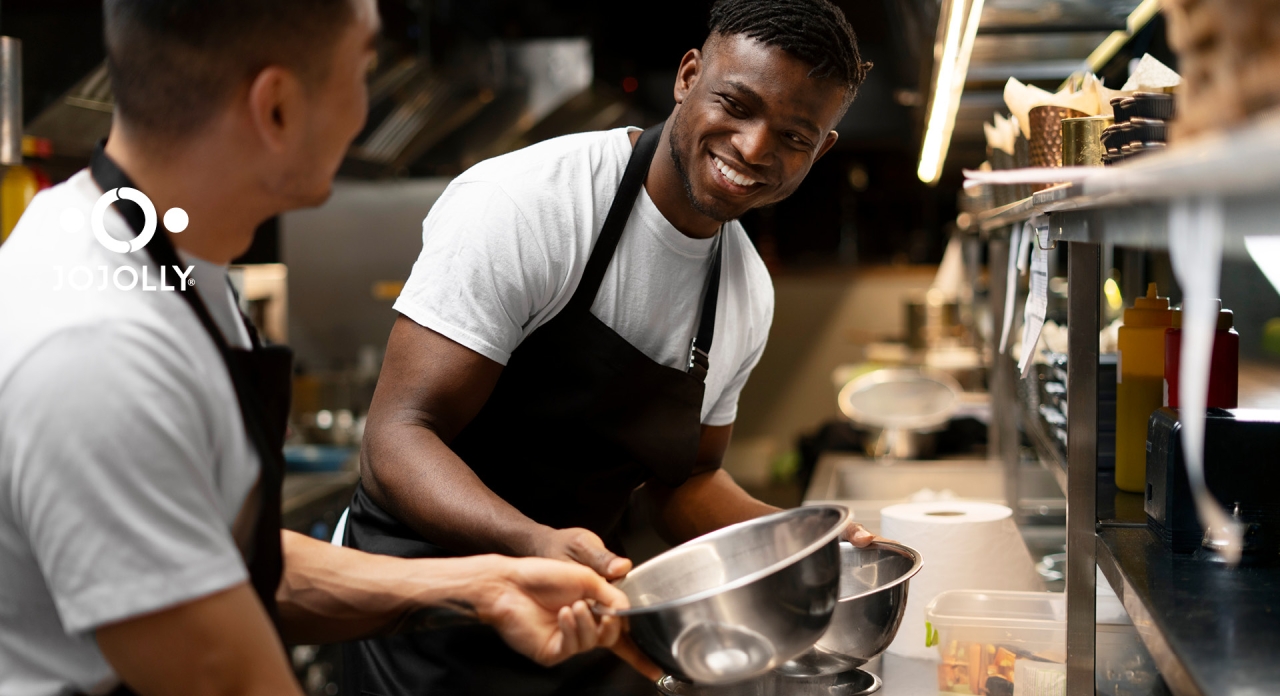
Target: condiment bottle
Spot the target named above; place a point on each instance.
(17, 188)
(1224, 365)
(1139, 384)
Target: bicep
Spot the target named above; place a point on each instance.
(431, 381)
(712, 445)
(219, 644)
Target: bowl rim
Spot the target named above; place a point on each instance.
(916, 564)
(827, 537)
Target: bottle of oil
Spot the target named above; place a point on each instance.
(1140, 384)
(17, 188)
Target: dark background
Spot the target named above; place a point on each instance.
(862, 203)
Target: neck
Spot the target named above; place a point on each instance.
(199, 175)
(666, 189)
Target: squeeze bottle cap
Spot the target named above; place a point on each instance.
(1226, 320)
(1151, 310)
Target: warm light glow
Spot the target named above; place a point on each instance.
(953, 68)
(1111, 290)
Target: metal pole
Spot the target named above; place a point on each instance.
(10, 101)
(1084, 266)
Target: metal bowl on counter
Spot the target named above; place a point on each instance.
(854, 682)
(873, 597)
(738, 602)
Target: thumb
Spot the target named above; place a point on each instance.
(588, 550)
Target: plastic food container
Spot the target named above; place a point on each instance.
(988, 642)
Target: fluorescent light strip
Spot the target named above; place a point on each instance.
(953, 68)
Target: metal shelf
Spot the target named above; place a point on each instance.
(1128, 205)
(1211, 629)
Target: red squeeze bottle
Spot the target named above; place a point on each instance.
(1224, 366)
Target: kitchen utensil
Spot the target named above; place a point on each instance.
(738, 602)
(854, 682)
(873, 597)
(1082, 140)
(932, 321)
(902, 404)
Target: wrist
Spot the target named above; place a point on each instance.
(533, 540)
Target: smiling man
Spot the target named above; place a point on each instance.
(580, 323)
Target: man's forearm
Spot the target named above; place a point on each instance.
(416, 477)
(703, 504)
(330, 594)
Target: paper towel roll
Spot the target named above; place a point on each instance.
(965, 545)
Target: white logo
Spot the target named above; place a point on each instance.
(81, 277)
(175, 219)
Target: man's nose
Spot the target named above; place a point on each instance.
(754, 144)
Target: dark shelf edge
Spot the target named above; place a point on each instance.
(1211, 630)
(1170, 667)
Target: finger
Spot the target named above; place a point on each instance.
(569, 629)
(588, 550)
(626, 649)
(595, 587)
(587, 639)
(610, 630)
(858, 535)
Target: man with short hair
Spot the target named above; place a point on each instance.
(580, 322)
(141, 419)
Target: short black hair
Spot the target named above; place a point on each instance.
(815, 31)
(173, 63)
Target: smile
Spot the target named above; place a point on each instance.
(733, 175)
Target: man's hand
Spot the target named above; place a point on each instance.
(540, 608)
(581, 546)
(858, 535)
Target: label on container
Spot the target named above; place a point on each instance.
(1031, 678)
(1037, 306)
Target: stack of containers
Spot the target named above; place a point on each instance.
(1141, 125)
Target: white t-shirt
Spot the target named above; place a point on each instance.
(506, 245)
(123, 456)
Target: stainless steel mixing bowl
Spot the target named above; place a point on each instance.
(740, 601)
(851, 683)
(873, 597)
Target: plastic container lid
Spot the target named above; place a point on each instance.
(1149, 311)
(1226, 320)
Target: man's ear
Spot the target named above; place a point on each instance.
(830, 140)
(687, 75)
(275, 106)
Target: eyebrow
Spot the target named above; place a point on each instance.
(757, 101)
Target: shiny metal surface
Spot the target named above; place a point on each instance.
(854, 682)
(873, 596)
(733, 604)
(10, 101)
(900, 406)
(1084, 280)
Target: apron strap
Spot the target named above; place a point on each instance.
(266, 562)
(700, 350)
(699, 362)
(616, 221)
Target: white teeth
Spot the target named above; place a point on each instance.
(731, 174)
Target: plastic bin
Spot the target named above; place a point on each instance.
(1015, 643)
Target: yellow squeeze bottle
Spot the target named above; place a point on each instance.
(1140, 384)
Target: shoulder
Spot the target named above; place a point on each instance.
(554, 171)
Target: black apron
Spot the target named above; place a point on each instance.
(263, 382)
(578, 420)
